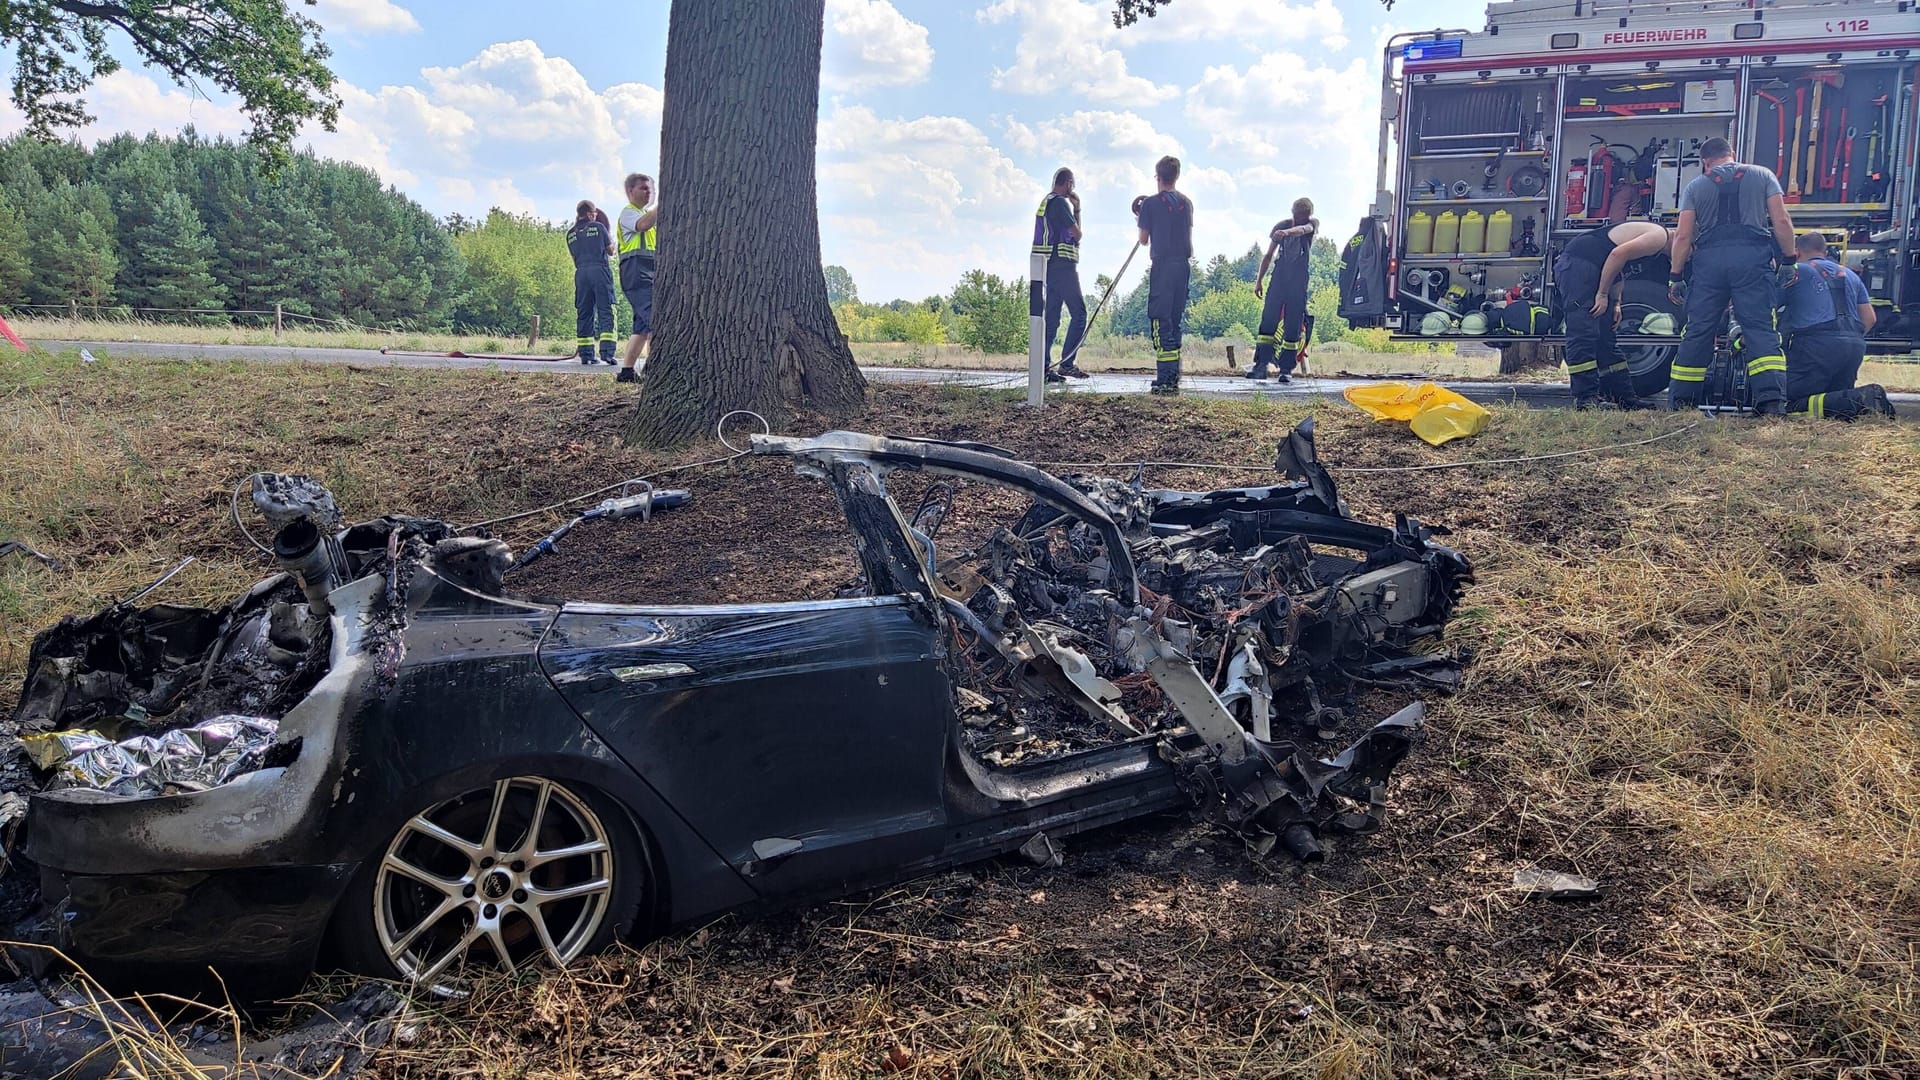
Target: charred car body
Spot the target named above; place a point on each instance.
(444, 774)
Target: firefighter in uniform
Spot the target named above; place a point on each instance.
(1736, 237)
(1828, 315)
(1591, 274)
(590, 241)
(1286, 307)
(639, 238)
(1056, 234)
(1166, 227)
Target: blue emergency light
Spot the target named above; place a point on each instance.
(1446, 49)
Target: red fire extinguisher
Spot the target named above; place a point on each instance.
(1575, 203)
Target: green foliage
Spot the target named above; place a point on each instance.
(258, 50)
(1323, 264)
(993, 313)
(1324, 306)
(840, 286)
(14, 266)
(168, 260)
(517, 267)
(322, 238)
(70, 245)
(902, 320)
(1216, 311)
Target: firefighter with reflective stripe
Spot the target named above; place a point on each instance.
(1590, 276)
(1289, 252)
(639, 245)
(1056, 234)
(1166, 227)
(590, 242)
(1828, 314)
(1736, 238)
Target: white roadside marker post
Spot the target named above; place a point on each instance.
(1036, 330)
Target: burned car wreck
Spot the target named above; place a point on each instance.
(423, 773)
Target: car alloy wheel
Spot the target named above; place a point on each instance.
(520, 873)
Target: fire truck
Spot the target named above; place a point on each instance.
(1499, 146)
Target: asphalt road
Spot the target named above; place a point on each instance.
(1219, 386)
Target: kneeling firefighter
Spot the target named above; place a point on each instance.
(1828, 314)
(1736, 237)
(1591, 275)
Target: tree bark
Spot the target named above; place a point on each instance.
(740, 302)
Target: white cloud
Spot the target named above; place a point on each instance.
(908, 205)
(129, 100)
(1258, 23)
(1063, 47)
(870, 44)
(365, 17)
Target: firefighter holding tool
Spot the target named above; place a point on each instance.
(1591, 274)
(1828, 315)
(1056, 234)
(1734, 243)
(1290, 244)
(1166, 227)
(590, 242)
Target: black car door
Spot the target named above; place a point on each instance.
(804, 741)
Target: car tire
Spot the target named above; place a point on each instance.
(442, 894)
(1649, 366)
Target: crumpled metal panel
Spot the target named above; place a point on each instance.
(204, 755)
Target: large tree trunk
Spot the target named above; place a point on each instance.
(741, 313)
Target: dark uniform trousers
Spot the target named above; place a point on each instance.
(1063, 290)
(1167, 283)
(1741, 271)
(1822, 364)
(1286, 311)
(593, 309)
(1595, 367)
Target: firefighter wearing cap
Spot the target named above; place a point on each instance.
(1828, 315)
(1591, 275)
(1166, 227)
(590, 242)
(1289, 252)
(1056, 234)
(1736, 238)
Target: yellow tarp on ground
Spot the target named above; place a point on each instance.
(1435, 413)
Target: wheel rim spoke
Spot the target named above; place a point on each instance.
(569, 892)
(540, 799)
(444, 886)
(400, 947)
(426, 827)
(589, 847)
(499, 943)
(456, 952)
(539, 920)
(490, 840)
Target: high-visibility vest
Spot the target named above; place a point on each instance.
(640, 243)
(1051, 243)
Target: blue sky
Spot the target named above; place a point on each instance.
(939, 121)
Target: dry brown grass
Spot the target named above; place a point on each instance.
(1695, 679)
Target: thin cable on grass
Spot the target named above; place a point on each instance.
(719, 432)
(246, 481)
(1371, 469)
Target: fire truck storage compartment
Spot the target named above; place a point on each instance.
(1634, 140)
(1477, 192)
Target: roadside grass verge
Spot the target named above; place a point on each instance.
(1695, 680)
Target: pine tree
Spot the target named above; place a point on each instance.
(70, 245)
(14, 267)
(174, 264)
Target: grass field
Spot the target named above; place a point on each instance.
(1110, 355)
(1696, 677)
